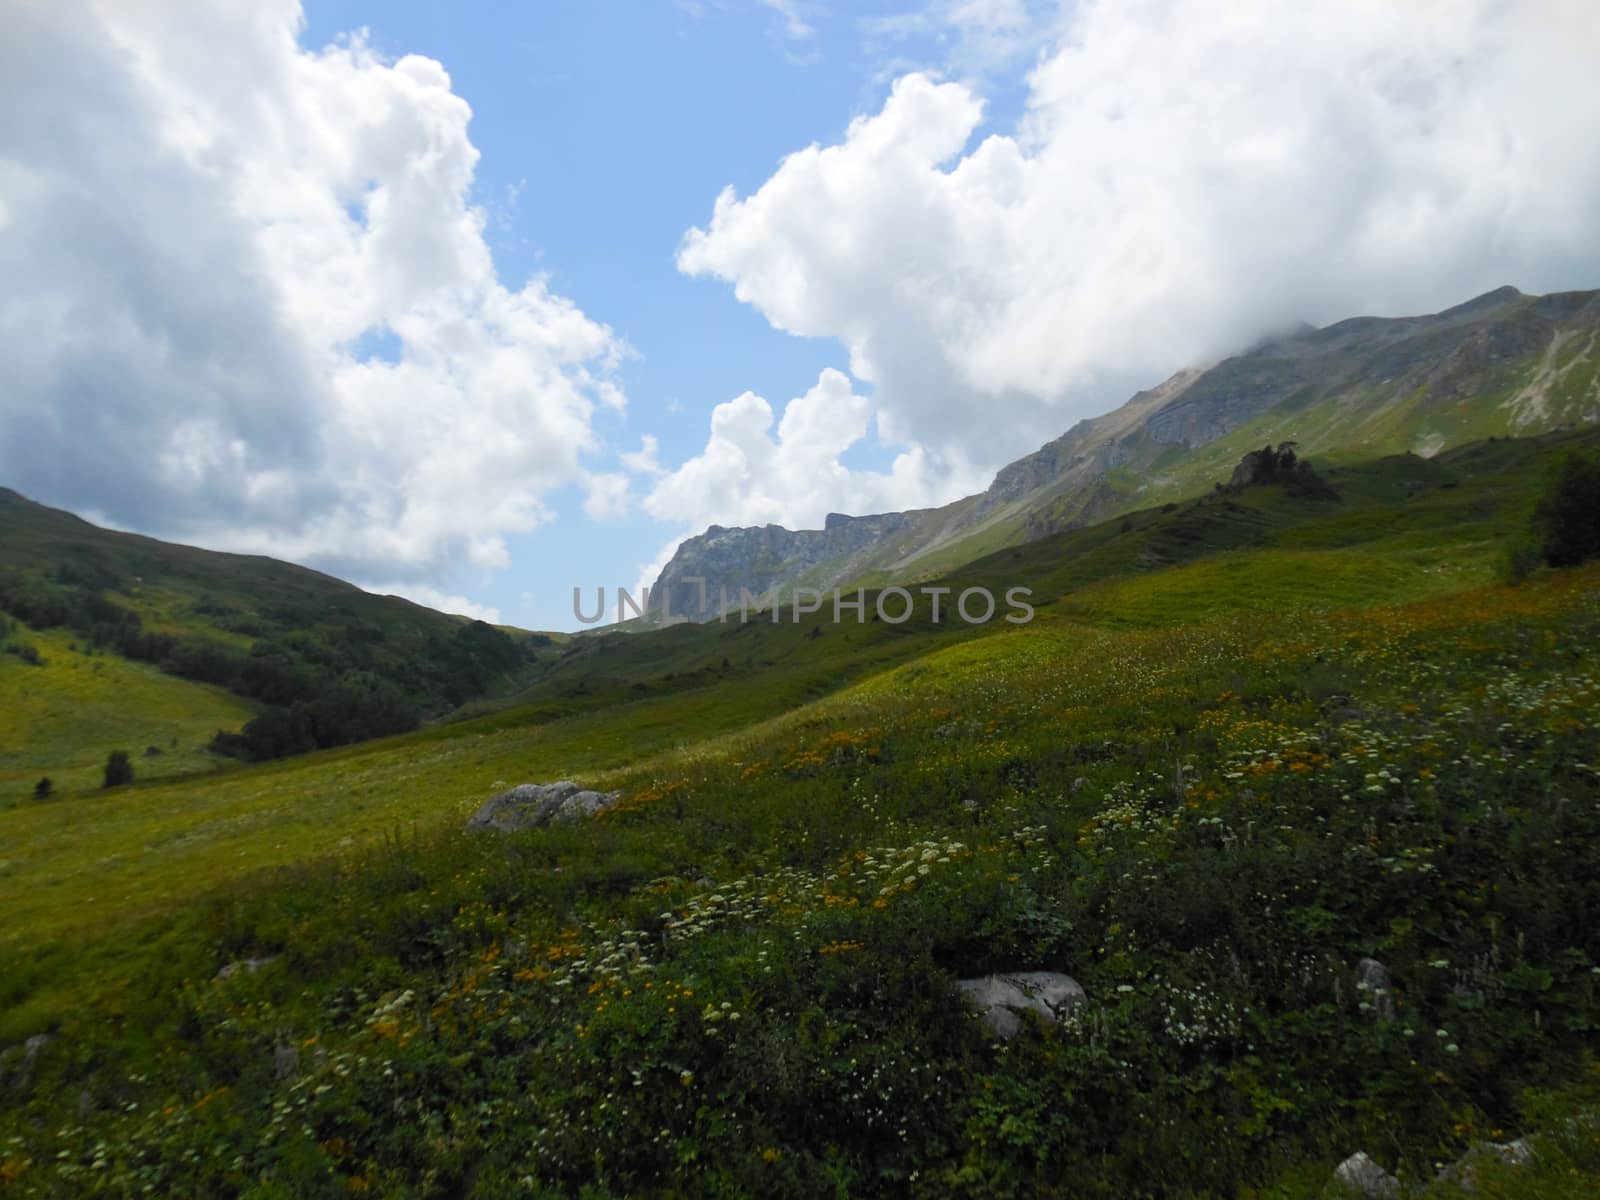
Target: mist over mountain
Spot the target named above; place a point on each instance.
(1502, 364)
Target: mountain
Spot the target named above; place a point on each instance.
(1503, 364)
(323, 662)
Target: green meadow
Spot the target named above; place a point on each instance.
(66, 714)
(1248, 740)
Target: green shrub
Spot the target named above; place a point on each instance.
(119, 769)
(1567, 520)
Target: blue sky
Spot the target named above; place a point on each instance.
(478, 303)
(606, 132)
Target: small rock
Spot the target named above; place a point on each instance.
(535, 805)
(248, 965)
(1001, 999)
(17, 1062)
(1358, 1175)
(1373, 983)
(285, 1060)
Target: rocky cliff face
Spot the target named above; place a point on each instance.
(709, 570)
(1504, 363)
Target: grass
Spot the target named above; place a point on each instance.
(330, 662)
(1246, 741)
(77, 877)
(63, 717)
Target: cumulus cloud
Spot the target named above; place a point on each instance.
(749, 474)
(752, 474)
(609, 497)
(1181, 182)
(249, 302)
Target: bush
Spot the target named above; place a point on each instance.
(1519, 560)
(28, 654)
(119, 769)
(1567, 520)
(42, 789)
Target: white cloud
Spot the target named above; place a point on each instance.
(795, 26)
(429, 597)
(746, 475)
(972, 37)
(250, 304)
(1184, 178)
(608, 497)
(646, 460)
(751, 474)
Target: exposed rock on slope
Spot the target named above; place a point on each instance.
(535, 805)
(1504, 363)
(1003, 1000)
(760, 558)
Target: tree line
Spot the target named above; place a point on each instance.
(318, 686)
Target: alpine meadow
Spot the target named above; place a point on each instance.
(1245, 843)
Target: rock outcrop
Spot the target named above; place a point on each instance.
(17, 1063)
(1376, 989)
(1359, 1176)
(1002, 999)
(535, 805)
(710, 569)
(1368, 385)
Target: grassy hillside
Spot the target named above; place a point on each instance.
(1247, 741)
(1503, 365)
(65, 714)
(323, 662)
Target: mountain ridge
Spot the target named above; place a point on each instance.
(1501, 363)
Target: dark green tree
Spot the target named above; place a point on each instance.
(119, 769)
(42, 789)
(1567, 521)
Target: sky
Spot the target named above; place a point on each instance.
(478, 303)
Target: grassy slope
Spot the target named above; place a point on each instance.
(1340, 428)
(778, 842)
(216, 597)
(172, 584)
(62, 718)
(612, 703)
(103, 890)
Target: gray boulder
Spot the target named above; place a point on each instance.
(248, 966)
(1002, 999)
(285, 1060)
(17, 1062)
(1376, 989)
(535, 805)
(1358, 1175)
